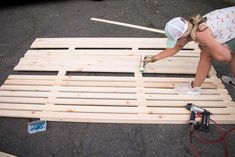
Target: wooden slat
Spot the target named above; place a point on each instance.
(23, 100)
(28, 67)
(102, 43)
(47, 81)
(114, 96)
(161, 119)
(106, 102)
(103, 89)
(111, 109)
(75, 53)
(114, 118)
(108, 78)
(95, 109)
(68, 95)
(70, 89)
(3, 154)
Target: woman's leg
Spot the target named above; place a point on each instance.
(203, 68)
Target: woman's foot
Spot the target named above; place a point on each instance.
(187, 89)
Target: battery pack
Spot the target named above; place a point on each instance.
(37, 126)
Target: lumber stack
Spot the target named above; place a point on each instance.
(98, 80)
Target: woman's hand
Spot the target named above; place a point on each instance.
(150, 59)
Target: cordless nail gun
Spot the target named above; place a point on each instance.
(195, 110)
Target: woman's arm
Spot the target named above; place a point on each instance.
(216, 50)
(166, 53)
(172, 51)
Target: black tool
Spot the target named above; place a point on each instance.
(204, 125)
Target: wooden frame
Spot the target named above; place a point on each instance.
(132, 98)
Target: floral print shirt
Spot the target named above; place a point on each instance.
(222, 24)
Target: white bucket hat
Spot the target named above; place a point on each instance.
(175, 29)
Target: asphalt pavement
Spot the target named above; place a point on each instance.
(23, 21)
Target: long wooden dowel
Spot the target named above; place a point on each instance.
(128, 25)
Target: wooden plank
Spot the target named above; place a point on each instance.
(23, 100)
(104, 52)
(71, 83)
(187, 97)
(102, 43)
(171, 91)
(3, 154)
(27, 82)
(172, 85)
(111, 109)
(103, 89)
(99, 102)
(179, 119)
(113, 102)
(171, 61)
(32, 77)
(161, 69)
(109, 78)
(74, 78)
(69, 95)
(169, 103)
(114, 118)
(85, 68)
(86, 58)
(69, 89)
(85, 52)
(182, 53)
(104, 84)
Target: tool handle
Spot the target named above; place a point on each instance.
(205, 121)
(192, 118)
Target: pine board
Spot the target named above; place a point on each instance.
(112, 98)
(2, 154)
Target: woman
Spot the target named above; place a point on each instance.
(215, 35)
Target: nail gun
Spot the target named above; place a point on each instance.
(204, 125)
